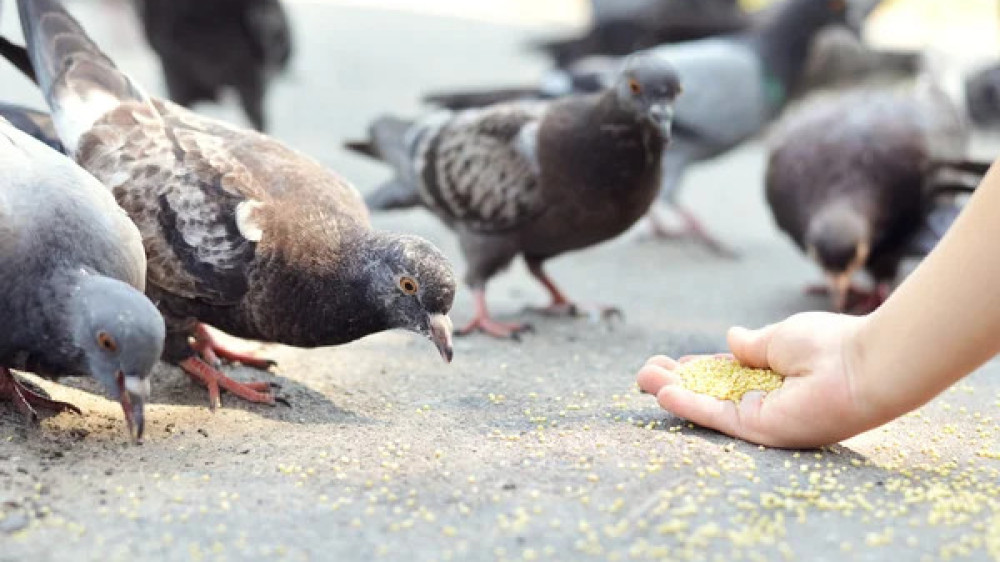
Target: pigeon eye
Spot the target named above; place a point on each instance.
(633, 85)
(408, 285)
(106, 342)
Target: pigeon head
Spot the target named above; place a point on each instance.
(839, 240)
(648, 85)
(120, 335)
(415, 286)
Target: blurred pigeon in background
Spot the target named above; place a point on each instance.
(532, 178)
(72, 270)
(621, 27)
(838, 58)
(852, 178)
(240, 231)
(982, 96)
(208, 46)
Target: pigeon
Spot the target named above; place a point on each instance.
(73, 271)
(240, 231)
(851, 179)
(838, 58)
(982, 96)
(735, 86)
(620, 28)
(535, 178)
(206, 47)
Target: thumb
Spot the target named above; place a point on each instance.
(750, 346)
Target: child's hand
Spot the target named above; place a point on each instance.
(819, 403)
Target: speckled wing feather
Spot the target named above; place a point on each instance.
(183, 190)
(477, 167)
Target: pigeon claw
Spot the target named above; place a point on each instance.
(216, 381)
(27, 401)
(213, 352)
(595, 313)
(500, 330)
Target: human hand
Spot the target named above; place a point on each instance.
(821, 401)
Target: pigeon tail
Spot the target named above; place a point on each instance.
(393, 194)
(389, 141)
(36, 123)
(79, 82)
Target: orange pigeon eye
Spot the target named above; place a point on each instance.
(408, 285)
(106, 342)
(633, 85)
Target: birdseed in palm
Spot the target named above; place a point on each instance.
(725, 378)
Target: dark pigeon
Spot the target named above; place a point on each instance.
(535, 179)
(854, 178)
(207, 47)
(72, 270)
(734, 86)
(240, 231)
(622, 27)
(982, 96)
(838, 58)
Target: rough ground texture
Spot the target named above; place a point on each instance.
(535, 450)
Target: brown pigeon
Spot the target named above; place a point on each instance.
(241, 232)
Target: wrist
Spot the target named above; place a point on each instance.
(875, 398)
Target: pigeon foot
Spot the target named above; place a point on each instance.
(215, 381)
(27, 401)
(501, 330)
(692, 229)
(212, 351)
(859, 300)
(595, 313)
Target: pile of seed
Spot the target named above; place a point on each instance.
(725, 378)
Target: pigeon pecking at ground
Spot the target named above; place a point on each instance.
(853, 177)
(621, 27)
(72, 270)
(207, 47)
(240, 231)
(532, 178)
(735, 85)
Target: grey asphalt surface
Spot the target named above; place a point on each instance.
(535, 450)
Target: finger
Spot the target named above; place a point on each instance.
(741, 421)
(652, 378)
(749, 347)
(701, 409)
(662, 361)
(689, 358)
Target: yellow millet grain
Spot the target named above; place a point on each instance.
(726, 379)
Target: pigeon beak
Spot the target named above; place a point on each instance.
(441, 329)
(663, 115)
(840, 285)
(134, 392)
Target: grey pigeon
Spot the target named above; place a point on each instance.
(240, 231)
(735, 85)
(72, 270)
(207, 47)
(532, 178)
(851, 179)
(622, 27)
